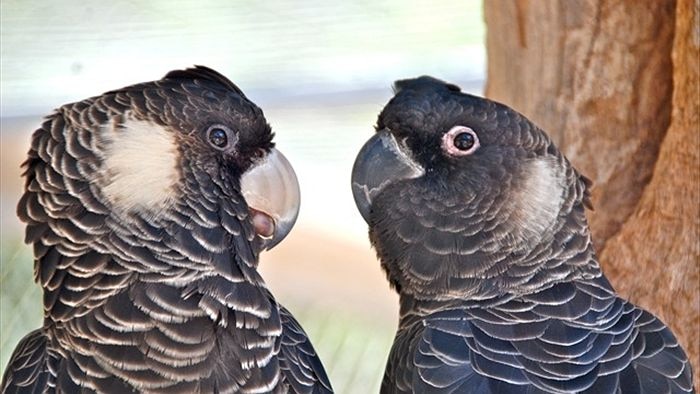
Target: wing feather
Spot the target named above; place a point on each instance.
(612, 348)
(28, 369)
(301, 367)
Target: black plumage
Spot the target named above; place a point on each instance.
(146, 250)
(480, 227)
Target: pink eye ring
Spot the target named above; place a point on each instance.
(460, 141)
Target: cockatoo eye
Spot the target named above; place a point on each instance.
(220, 137)
(460, 141)
(464, 141)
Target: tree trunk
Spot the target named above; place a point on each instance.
(615, 83)
(658, 248)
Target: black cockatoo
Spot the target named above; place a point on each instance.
(478, 220)
(147, 208)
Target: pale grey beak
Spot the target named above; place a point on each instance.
(272, 192)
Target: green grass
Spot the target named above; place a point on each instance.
(20, 297)
(353, 349)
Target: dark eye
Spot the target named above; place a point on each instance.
(220, 137)
(460, 141)
(464, 141)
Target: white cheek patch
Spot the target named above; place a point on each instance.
(538, 201)
(139, 171)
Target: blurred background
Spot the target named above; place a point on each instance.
(321, 71)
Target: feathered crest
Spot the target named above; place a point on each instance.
(422, 82)
(204, 73)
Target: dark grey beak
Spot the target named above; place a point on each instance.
(380, 161)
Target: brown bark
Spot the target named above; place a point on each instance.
(605, 79)
(655, 259)
(578, 68)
